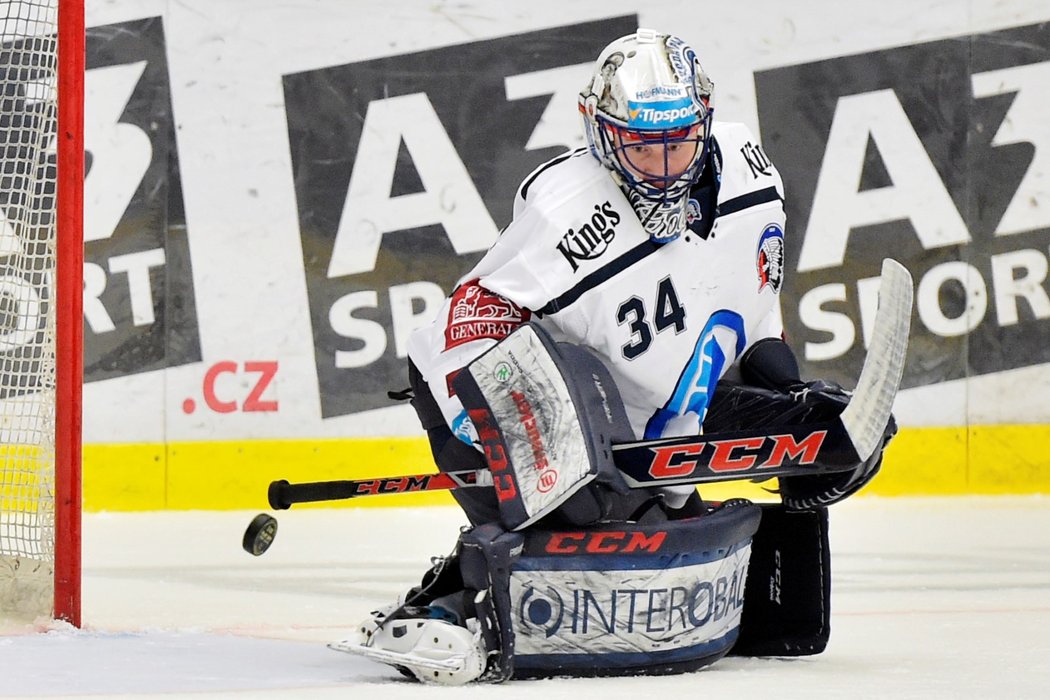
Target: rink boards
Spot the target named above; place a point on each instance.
(991, 460)
(264, 229)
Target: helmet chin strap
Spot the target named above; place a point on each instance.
(664, 220)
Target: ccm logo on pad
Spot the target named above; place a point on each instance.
(605, 542)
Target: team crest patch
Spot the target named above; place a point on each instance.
(477, 313)
(693, 214)
(771, 258)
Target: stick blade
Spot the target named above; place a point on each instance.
(869, 409)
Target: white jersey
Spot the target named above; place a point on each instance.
(667, 319)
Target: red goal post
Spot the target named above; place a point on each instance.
(42, 68)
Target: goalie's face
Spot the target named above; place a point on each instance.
(659, 159)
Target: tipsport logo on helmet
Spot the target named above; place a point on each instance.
(878, 164)
(404, 176)
(661, 114)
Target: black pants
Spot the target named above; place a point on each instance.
(452, 454)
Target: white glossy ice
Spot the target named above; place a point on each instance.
(932, 598)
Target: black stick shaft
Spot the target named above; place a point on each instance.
(282, 495)
(690, 460)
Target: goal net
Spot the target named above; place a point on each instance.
(41, 260)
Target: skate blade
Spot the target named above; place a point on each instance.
(394, 658)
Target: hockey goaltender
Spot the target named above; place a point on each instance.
(620, 341)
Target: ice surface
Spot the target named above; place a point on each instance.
(932, 598)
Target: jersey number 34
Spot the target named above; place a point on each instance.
(669, 313)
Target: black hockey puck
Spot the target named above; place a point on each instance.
(260, 533)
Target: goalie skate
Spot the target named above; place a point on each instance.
(431, 649)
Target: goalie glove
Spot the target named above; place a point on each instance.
(746, 407)
(805, 492)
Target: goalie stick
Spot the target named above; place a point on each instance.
(758, 454)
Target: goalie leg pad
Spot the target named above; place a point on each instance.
(787, 602)
(616, 599)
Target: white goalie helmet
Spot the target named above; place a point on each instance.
(647, 114)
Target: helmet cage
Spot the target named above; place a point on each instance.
(618, 145)
(649, 88)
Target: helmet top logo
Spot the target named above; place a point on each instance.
(661, 114)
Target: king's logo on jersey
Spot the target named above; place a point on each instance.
(589, 240)
(756, 160)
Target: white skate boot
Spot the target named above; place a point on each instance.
(425, 641)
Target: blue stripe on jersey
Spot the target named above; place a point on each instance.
(463, 428)
(696, 384)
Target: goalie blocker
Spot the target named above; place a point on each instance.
(547, 415)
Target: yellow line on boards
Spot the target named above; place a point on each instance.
(995, 459)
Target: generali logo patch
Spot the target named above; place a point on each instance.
(476, 313)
